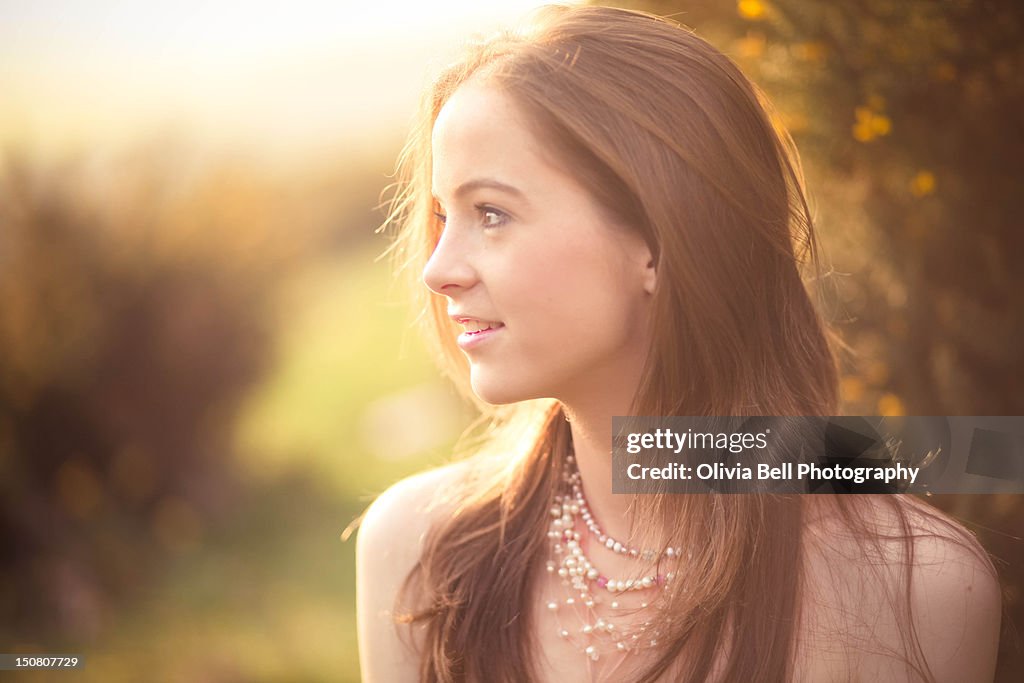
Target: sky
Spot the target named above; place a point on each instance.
(290, 78)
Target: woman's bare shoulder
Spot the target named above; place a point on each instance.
(388, 546)
(956, 599)
(392, 529)
(408, 506)
(954, 594)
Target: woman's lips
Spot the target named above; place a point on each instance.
(468, 340)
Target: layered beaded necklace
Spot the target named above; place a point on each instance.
(586, 586)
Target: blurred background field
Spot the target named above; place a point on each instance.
(206, 371)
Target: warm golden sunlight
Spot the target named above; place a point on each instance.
(288, 78)
(257, 306)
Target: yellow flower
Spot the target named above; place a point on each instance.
(890, 404)
(751, 9)
(871, 123)
(862, 132)
(922, 184)
(881, 125)
(851, 388)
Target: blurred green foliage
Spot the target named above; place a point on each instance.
(200, 360)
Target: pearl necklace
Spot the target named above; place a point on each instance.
(583, 510)
(577, 573)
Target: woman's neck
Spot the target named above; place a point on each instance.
(592, 443)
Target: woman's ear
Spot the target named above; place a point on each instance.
(642, 262)
(650, 275)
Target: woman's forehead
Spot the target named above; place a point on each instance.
(479, 133)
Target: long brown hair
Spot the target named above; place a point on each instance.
(670, 137)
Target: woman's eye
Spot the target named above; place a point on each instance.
(492, 218)
(489, 216)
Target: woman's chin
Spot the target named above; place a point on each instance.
(497, 397)
(498, 390)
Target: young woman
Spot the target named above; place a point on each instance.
(607, 223)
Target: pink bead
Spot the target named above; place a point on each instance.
(602, 581)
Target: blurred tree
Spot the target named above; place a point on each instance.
(907, 113)
(137, 312)
(123, 361)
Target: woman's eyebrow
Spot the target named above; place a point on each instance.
(490, 183)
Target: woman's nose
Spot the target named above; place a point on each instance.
(449, 266)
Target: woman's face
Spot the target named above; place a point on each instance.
(527, 253)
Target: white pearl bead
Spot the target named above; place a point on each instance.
(617, 547)
(588, 629)
(592, 574)
(563, 633)
(552, 606)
